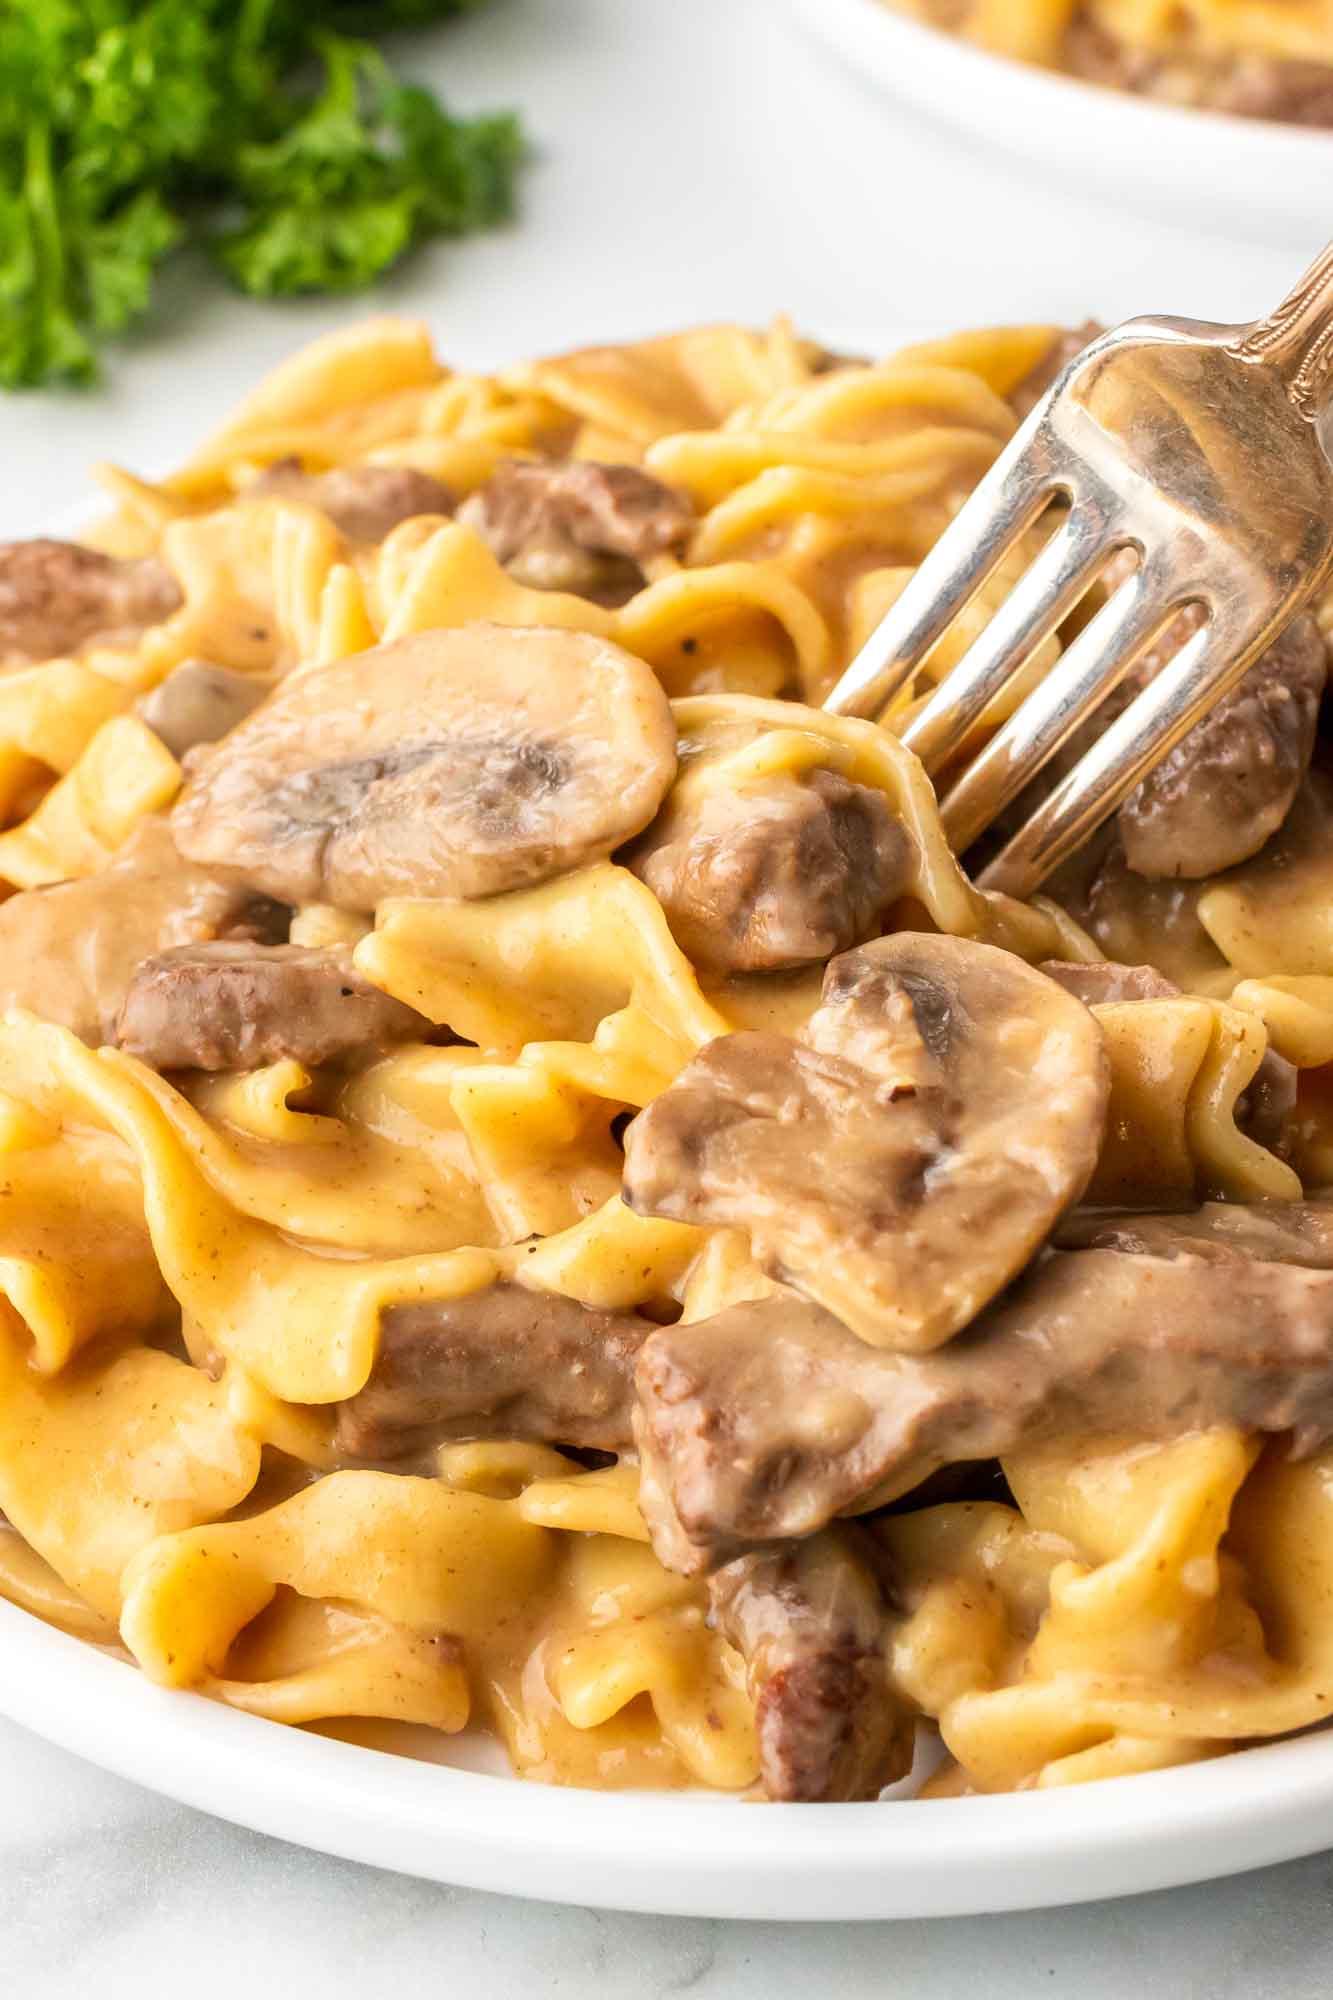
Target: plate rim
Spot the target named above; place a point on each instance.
(897, 1859)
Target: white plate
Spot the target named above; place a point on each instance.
(1231, 175)
(692, 1854)
(681, 1855)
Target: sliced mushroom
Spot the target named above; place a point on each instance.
(901, 1164)
(231, 1005)
(199, 702)
(780, 874)
(769, 1419)
(575, 525)
(364, 502)
(456, 763)
(69, 952)
(505, 1361)
(810, 1622)
(56, 597)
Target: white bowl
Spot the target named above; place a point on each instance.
(1224, 174)
(678, 1854)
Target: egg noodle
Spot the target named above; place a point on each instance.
(1257, 56)
(194, 1268)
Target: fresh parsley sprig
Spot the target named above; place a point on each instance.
(262, 130)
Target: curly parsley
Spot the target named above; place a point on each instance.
(261, 129)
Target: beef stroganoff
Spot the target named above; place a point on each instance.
(538, 1193)
(1253, 58)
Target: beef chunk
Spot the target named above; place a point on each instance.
(56, 597)
(68, 952)
(505, 1361)
(778, 875)
(199, 702)
(234, 1005)
(1230, 783)
(809, 1620)
(577, 526)
(769, 1419)
(364, 502)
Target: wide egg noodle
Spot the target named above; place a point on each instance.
(97, 1461)
(1144, 1605)
(633, 1681)
(279, 1212)
(1179, 1072)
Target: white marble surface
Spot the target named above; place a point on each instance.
(107, 1893)
(696, 160)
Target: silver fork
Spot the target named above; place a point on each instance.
(1199, 448)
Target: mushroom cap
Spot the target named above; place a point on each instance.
(901, 1163)
(456, 763)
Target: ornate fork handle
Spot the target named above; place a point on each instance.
(1297, 339)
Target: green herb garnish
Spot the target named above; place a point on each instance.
(258, 128)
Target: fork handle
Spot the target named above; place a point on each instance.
(1296, 338)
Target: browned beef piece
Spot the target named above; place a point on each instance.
(505, 1362)
(1026, 395)
(236, 1005)
(779, 875)
(809, 1619)
(199, 702)
(1249, 86)
(57, 596)
(68, 952)
(771, 1418)
(364, 502)
(1230, 783)
(575, 525)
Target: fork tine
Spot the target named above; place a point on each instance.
(1098, 659)
(1207, 666)
(1006, 501)
(1048, 591)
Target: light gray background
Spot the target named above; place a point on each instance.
(697, 160)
